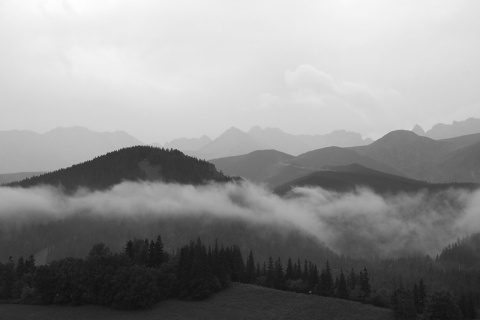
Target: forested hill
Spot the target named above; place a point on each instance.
(137, 163)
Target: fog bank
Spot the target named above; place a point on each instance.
(356, 223)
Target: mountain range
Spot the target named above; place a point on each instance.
(400, 153)
(445, 131)
(28, 151)
(235, 142)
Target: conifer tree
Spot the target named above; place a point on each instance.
(250, 269)
(342, 288)
(326, 287)
(352, 279)
(365, 283)
(422, 296)
(20, 267)
(159, 256)
(289, 270)
(270, 273)
(278, 282)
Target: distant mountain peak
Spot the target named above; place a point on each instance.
(418, 130)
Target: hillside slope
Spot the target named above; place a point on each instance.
(241, 301)
(130, 164)
(422, 158)
(348, 178)
(255, 166)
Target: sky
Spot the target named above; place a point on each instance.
(162, 69)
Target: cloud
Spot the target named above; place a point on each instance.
(335, 104)
(357, 223)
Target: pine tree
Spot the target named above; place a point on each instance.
(422, 296)
(352, 279)
(289, 270)
(250, 269)
(129, 250)
(270, 273)
(151, 255)
(326, 287)
(20, 267)
(159, 256)
(342, 288)
(278, 281)
(365, 284)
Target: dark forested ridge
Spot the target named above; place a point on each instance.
(130, 164)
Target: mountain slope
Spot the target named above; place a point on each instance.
(423, 158)
(276, 168)
(232, 142)
(241, 301)
(456, 129)
(254, 166)
(31, 152)
(349, 178)
(131, 164)
(185, 144)
(235, 142)
(335, 156)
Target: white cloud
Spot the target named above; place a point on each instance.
(359, 222)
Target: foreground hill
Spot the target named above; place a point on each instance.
(61, 147)
(130, 164)
(241, 301)
(351, 177)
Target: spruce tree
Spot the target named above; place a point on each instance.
(365, 284)
(270, 273)
(422, 296)
(289, 270)
(342, 289)
(250, 269)
(159, 256)
(352, 279)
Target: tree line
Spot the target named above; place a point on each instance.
(143, 274)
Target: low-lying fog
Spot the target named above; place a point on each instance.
(392, 225)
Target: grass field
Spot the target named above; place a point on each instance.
(239, 302)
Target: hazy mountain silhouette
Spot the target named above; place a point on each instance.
(130, 164)
(235, 142)
(278, 140)
(445, 131)
(232, 142)
(188, 144)
(27, 151)
(400, 153)
(17, 176)
(417, 157)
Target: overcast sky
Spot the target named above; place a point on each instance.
(167, 69)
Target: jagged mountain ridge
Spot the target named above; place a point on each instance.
(234, 142)
(446, 131)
